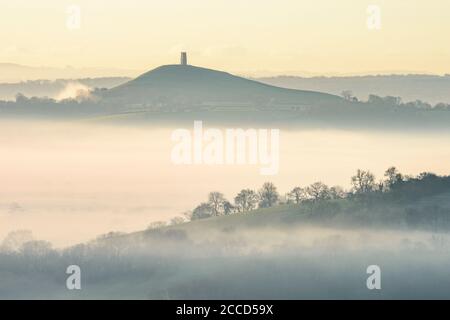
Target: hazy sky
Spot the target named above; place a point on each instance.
(290, 36)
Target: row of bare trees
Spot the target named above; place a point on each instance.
(363, 182)
(245, 200)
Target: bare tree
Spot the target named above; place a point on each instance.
(336, 192)
(246, 200)
(202, 211)
(296, 195)
(363, 182)
(317, 191)
(268, 195)
(228, 207)
(216, 201)
(16, 239)
(392, 177)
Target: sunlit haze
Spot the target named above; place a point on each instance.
(247, 37)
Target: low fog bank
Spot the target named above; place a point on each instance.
(195, 261)
(70, 181)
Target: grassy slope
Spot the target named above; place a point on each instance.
(335, 213)
(207, 85)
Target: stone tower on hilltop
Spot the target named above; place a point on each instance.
(183, 59)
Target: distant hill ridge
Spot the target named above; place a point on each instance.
(410, 87)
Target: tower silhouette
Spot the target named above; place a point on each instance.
(183, 59)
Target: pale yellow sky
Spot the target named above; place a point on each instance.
(244, 36)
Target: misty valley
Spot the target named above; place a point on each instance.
(220, 159)
(192, 183)
(108, 199)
